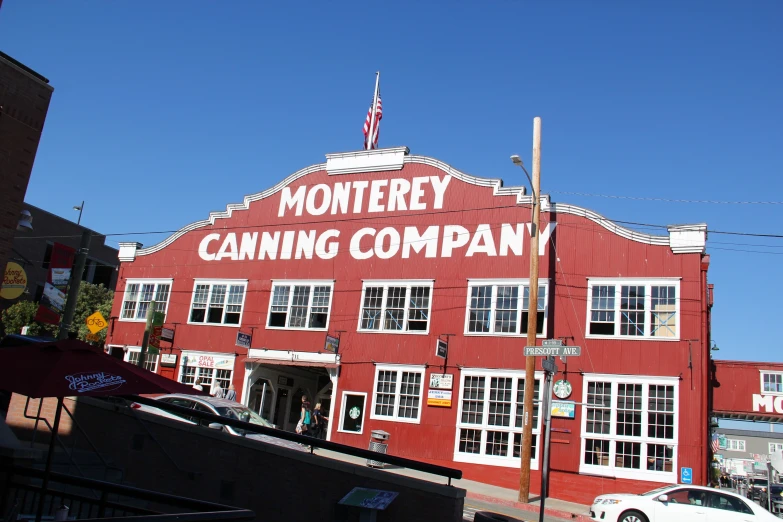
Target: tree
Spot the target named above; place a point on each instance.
(92, 298)
(23, 314)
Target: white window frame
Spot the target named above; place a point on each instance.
(386, 283)
(648, 283)
(521, 283)
(630, 473)
(774, 447)
(342, 412)
(762, 373)
(186, 354)
(739, 443)
(137, 349)
(142, 282)
(496, 460)
(400, 369)
(212, 282)
(312, 283)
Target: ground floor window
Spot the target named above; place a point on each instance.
(490, 417)
(150, 360)
(352, 412)
(629, 426)
(397, 393)
(208, 368)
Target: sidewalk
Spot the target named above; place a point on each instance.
(486, 493)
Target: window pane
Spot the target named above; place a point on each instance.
(660, 419)
(470, 441)
(418, 308)
(385, 392)
(663, 320)
(319, 313)
(129, 304)
(599, 400)
(506, 305)
(299, 305)
(773, 382)
(198, 312)
(632, 310)
(521, 402)
(628, 455)
(410, 390)
(541, 309)
(371, 308)
(188, 375)
(145, 296)
(216, 302)
(480, 309)
(278, 312)
(395, 308)
(629, 410)
(597, 452)
(497, 443)
(602, 310)
(499, 401)
(473, 400)
(659, 457)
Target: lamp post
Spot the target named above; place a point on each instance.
(80, 208)
(532, 315)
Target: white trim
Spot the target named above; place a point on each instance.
(408, 285)
(612, 437)
(228, 283)
(291, 356)
(494, 283)
(494, 460)
(375, 160)
(517, 192)
(648, 283)
(761, 381)
(342, 409)
(291, 283)
(399, 368)
(141, 282)
(137, 349)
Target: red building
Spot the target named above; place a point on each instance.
(392, 251)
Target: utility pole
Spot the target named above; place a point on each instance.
(74, 284)
(146, 338)
(532, 319)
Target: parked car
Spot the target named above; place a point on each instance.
(679, 503)
(221, 407)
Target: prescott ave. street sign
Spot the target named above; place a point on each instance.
(552, 347)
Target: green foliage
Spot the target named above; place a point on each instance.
(92, 298)
(23, 314)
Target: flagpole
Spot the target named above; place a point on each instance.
(371, 133)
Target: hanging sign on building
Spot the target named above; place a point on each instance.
(167, 334)
(168, 359)
(442, 349)
(332, 344)
(244, 340)
(440, 398)
(564, 409)
(442, 381)
(14, 281)
(208, 361)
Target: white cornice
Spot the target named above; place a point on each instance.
(682, 238)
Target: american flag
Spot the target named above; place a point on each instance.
(715, 443)
(373, 143)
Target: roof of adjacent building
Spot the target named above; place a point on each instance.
(751, 433)
(22, 66)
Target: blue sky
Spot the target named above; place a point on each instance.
(165, 111)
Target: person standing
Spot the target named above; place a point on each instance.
(306, 417)
(320, 422)
(231, 393)
(217, 391)
(198, 386)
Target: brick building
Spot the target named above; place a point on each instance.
(24, 102)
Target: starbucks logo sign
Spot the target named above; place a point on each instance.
(562, 389)
(354, 412)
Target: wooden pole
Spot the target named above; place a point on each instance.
(532, 320)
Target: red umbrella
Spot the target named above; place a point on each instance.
(73, 368)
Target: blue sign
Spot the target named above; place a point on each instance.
(243, 340)
(686, 475)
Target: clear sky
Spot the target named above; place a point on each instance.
(165, 111)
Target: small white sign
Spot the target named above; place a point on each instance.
(168, 359)
(439, 394)
(442, 381)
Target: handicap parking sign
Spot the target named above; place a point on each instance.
(686, 475)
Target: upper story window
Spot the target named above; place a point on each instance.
(775, 447)
(398, 391)
(217, 302)
(629, 426)
(139, 293)
(396, 306)
(772, 383)
(735, 444)
(634, 308)
(300, 304)
(500, 307)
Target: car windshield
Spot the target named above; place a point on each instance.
(655, 491)
(243, 414)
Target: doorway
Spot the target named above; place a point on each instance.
(281, 407)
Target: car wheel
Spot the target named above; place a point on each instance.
(632, 516)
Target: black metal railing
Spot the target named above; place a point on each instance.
(22, 493)
(416, 465)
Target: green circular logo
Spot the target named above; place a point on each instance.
(562, 389)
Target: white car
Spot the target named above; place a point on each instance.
(680, 503)
(222, 407)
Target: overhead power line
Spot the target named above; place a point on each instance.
(667, 200)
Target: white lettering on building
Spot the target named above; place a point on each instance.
(771, 404)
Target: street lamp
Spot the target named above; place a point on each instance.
(25, 223)
(518, 162)
(80, 208)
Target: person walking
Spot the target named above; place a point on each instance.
(217, 391)
(231, 393)
(198, 386)
(306, 417)
(320, 422)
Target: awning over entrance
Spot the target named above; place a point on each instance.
(291, 362)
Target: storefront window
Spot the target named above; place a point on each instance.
(208, 367)
(398, 392)
(352, 412)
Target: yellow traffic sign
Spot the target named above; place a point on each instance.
(96, 322)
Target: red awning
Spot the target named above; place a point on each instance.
(291, 363)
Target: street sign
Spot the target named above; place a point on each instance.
(549, 365)
(442, 349)
(537, 351)
(686, 475)
(244, 340)
(551, 342)
(94, 337)
(96, 322)
(332, 344)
